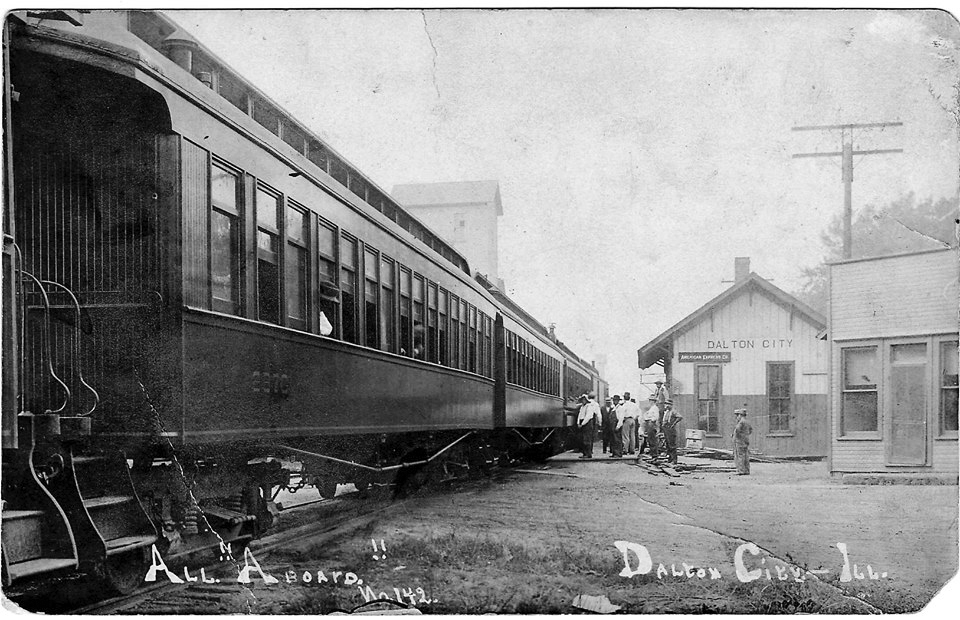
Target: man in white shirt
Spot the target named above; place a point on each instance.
(627, 414)
(662, 395)
(587, 421)
(651, 419)
(616, 444)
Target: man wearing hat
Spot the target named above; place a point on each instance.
(668, 426)
(651, 419)
(661, 394)
(627, 414)
(616, 444)
(607, 422)
(741, 442)
(587, 421)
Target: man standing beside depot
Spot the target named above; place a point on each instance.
(627, 414)
(741, 442)
(651, 419)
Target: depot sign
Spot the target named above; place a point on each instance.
(721, 357)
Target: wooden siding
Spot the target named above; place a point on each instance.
(195, 203)
(882, 302)
(754, 318)
(808, 424)
(870, 454)
(894, 296)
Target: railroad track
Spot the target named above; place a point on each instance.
(164, 597)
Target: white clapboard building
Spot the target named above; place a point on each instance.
(893, 381)
(752, 346)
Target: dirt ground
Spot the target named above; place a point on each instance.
(531, 541)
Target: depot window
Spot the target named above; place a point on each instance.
(708, 398)
(858, 405)
(225, 239)
(779, 393)
(268, 255)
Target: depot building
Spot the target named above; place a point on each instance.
(757, 347)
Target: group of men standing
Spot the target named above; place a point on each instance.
(623, 424)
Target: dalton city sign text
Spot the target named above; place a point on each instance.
(751, 343)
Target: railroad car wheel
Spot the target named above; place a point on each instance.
(363, 486)
(124, 573)
(327, 488)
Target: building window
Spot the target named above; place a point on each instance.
(459, 227)
(432, 343)
(268, 256)
(371, 311)
(298, 232)
(406, 333)
(225, 240)
(488, 346)
(348, 288)
(442, 343)
(472, 342)
(328, 308)
(418, 330)
(455, 331)
(708, 398)
(779, 391)
(387, 308)
(463, 335)
(859, 390)
(948, 388)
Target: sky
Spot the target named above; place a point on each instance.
(638, 152)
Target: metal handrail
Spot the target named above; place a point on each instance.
(46, 341)
(405, 465)
(76, 341)
(21, 318)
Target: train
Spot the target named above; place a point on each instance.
(204, 303)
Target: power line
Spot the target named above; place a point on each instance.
(847, 153)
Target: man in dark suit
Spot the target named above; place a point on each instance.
(608, 421)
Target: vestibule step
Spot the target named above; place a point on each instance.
(19, 570)
(106, 500)
(13, 515)
(128, 543)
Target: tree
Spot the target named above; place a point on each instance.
(905, 225)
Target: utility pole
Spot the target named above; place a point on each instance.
(847, 153)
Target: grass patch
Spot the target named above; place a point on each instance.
(465, 573)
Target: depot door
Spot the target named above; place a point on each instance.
(907, 405)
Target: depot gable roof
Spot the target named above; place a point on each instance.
(661, 346)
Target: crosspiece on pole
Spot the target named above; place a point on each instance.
(847, 126)
(839, 153)
(846, 155)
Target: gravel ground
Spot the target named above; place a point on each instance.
(530, 541)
